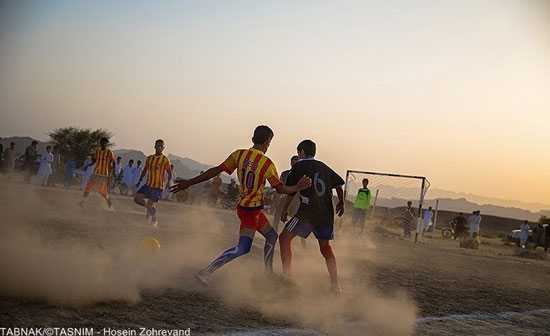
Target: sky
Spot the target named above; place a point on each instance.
(457, 91)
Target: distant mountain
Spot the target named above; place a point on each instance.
(534, 207)
(190, 163)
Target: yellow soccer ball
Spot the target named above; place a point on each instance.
(150, 245)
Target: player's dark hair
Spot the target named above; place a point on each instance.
(294, 158)
(34, 142)
(104, 140)
(159, 140)
(308, 147)
(365, 180)
(119, 157)
(262, 134)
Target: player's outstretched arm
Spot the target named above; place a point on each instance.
(340, 205)
(303, 183)
(207, 175)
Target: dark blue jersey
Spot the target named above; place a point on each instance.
(316, 205)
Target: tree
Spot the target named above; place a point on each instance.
(544, 220)
(77, 143)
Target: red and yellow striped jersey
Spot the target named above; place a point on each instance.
(103, 158)
(155, 166)
(254, 168)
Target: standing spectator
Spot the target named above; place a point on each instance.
(56, 166)
(477, 221)
(361, 205)
(9, 159)
(471, 222)
(88, 171)
(136, 174)
(408, 220)
(30, 160)
(128, 174)
(460, 226)
(279, 201)
(70, 166)
(538, 235)
(427, 220)
(45, 169)
(524, 234)
(2, 163)
(547, 238)
(214, 192)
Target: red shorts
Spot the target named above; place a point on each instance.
(252, 219)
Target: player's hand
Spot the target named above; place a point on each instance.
(179, 186)
(304, 183)
(284, 215)
(340, 209)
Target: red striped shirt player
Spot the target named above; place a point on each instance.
(155, 166)
(253, 169)
(104, 161)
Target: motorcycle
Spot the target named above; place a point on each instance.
(228, 202)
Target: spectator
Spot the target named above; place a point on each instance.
(9, 159)
(547, 238)
(128, 174)
(56, 165)
(88, 171)
(427, 220)
(232, 190)
(460, 226)
(408, 220)
(279, 201)
(70, 166)
(538, 235)
(45, 169)
(524, 234)
(30, 161)
(136, 174)
(2, 163)
(214, 192)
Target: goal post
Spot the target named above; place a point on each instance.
(389, 196)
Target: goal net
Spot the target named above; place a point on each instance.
(389, 195)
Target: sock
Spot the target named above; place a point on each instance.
(286, 252)
(330, 260)
(269, 248)
(153, 213)
(245, 243)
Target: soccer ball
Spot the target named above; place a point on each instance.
(150, 245)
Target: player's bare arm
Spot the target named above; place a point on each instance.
(207, 175)
(340, 206)
(303, 183)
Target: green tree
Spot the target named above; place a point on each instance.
(544, 220)
(78, 143)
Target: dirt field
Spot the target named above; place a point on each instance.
(63, 266)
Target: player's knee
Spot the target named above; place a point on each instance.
(245, 244)
(327, 252)
(284, 239)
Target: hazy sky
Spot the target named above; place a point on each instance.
(458, 91)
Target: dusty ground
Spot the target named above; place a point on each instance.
(69, 267)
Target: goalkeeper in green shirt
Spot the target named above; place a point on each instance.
(361, 205)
